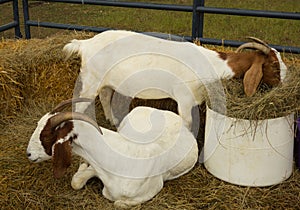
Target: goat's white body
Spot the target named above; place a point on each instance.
(142, 66)
(124, 165)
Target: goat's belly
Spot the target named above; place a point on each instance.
(152, 94)
(151, 83)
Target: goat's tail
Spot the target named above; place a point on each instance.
(72, 47)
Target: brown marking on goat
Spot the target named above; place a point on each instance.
(241, 62)
(62, 158)
(62, 150)
(253, 76)
(50, 135)
(223, 55)
(256, 67)
(271, 70)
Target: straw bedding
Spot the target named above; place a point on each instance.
(34, 77)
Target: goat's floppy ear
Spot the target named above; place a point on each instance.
(253, 76)
(61, 158)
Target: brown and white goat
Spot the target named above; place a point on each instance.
(150, 147)
(146, 67)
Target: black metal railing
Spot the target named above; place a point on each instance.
(198, 9)
(15, 23)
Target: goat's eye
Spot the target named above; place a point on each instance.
(275, 64)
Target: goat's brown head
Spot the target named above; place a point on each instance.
(264, 65)
(54, 135)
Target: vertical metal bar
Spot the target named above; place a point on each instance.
(198, 20)
(16, 19)
(26, 18)
(201, 17)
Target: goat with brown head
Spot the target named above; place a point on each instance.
(150, 147)
(54, 135)
(99, 68)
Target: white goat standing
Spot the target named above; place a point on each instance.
(150, 147)
(146, 67)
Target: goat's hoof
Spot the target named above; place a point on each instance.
(121, 204)
(83, 166)
(114, 121)
(77, 183)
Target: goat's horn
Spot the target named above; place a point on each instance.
(257, 40)
(254, 45)
(66, 103)
(65, 116)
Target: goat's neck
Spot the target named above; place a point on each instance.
(90, 146)
(239, 62)
(89, 141)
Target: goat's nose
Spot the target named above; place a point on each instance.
(28, 154)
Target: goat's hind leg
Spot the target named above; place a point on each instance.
(106, 98)
(86, 87)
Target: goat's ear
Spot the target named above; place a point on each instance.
(253, 76)
(61, 158)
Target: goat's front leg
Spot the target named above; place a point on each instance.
(185, 110)
(80, 178)
(185, 101)
(185, 113)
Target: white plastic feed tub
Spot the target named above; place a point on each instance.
(249, 153)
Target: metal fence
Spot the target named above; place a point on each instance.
(15, 23)
(198, 9)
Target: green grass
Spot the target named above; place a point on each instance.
(275, 31)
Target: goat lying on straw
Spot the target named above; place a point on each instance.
(150, 147)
